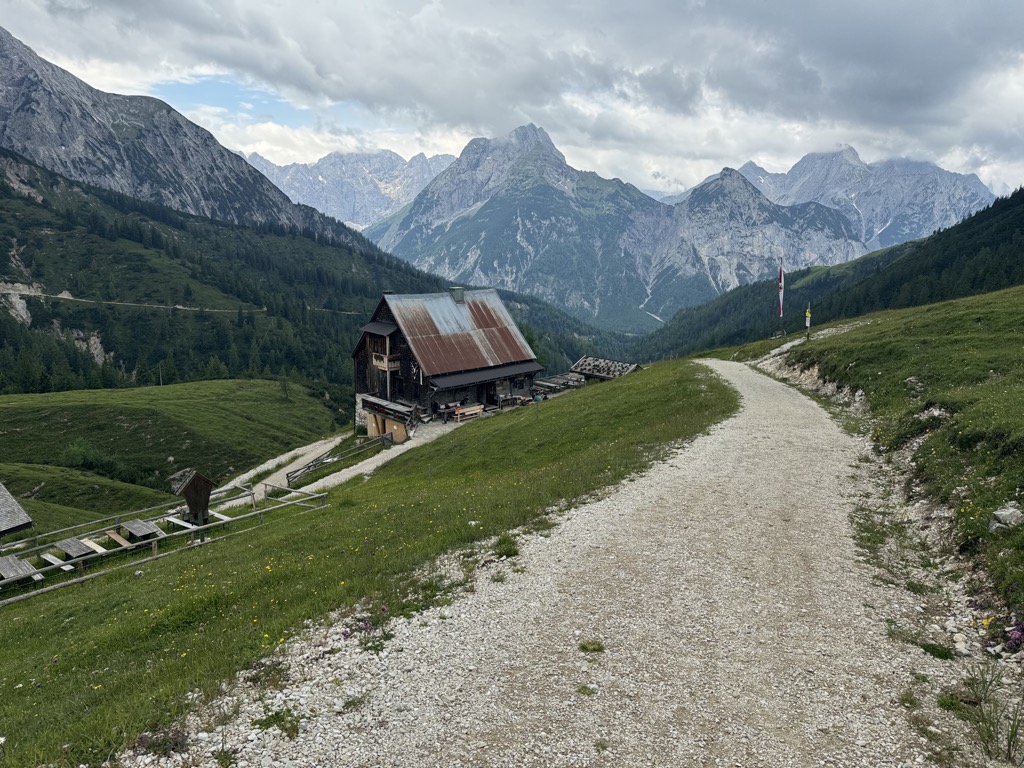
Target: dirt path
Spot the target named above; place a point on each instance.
(739, 629)
(282, 465)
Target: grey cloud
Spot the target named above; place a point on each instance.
(897, 70)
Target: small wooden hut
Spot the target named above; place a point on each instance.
(195, 488)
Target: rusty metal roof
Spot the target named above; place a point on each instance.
(447, 336)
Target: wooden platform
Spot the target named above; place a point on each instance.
(142, 528)
(73, 548)
(94, 546)
(13, 568)
(56, 561)
(118, 539)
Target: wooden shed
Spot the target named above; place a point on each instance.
(420, 352)
(195, 488)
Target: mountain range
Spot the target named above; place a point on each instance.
(134, 237)
(981, 254)
(888, 202)
(138, 146)
(509, 212)
(357, 188)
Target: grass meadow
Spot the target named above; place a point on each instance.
(74, 455)
(87, 668)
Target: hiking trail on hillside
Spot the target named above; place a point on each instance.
(739, 627)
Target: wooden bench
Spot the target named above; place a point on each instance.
(94, 546)
(179, 521)
(468, 412)
(56, 561)
(118, 539)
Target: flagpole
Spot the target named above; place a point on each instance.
(782, 283)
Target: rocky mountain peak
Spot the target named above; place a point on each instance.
(887, 202)
(524, 158)
(355, 187)
(728, 187)
(525, 142)
(136, 145)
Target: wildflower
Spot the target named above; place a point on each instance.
(383, 609)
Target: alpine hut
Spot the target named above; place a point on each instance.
(429, 353)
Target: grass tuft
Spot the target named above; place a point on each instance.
(506, 546)
(283, 719)
(937, 650)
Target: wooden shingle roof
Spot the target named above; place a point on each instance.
(600, 368)
(12, 516)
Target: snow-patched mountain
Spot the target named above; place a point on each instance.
(357, 188)
(135, 145)
(888, 202)
(511, 213)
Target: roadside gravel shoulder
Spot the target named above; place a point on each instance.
(739, 627)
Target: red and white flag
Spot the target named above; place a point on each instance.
(782, 283)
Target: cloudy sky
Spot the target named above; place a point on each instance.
(659, 93)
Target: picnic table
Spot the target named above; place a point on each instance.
(141, 528)
(74, 548)
(12, 567)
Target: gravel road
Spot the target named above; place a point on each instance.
(739, 629)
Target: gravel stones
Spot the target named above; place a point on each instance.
(739, 628)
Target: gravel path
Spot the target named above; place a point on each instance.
(739, 629)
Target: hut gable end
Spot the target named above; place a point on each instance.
(13, 517)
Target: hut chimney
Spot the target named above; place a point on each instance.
(458, 294)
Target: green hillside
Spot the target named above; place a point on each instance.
(92, 453)
(983, 253)
(952, 375)
(164, 297)
(130, 650)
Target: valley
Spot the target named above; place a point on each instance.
(689, 564)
